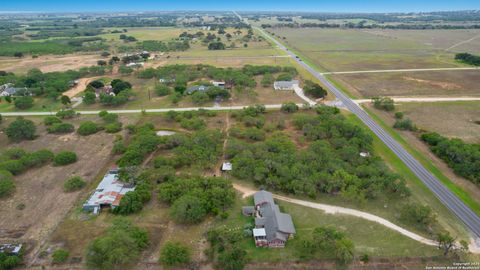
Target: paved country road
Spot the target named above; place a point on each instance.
(450, 200)
(215, 108)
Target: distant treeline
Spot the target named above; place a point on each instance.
(362, 25)
(58, 46)
(468, 58)
(462, 157)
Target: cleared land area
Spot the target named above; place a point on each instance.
(39, 202)
(425, 83)
(451, 119)
(48, 63)
(355, 49)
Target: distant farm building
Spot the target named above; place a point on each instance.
(107, 90)
(285, 85)
(108, 193)
(134, 65)
(272, 228)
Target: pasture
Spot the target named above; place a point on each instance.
(425, 83)
(358, 49)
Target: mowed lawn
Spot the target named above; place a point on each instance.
(356, 49)
(452, 83)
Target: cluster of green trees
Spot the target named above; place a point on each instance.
(314, 90)
(133, 201)
(160, 46)
(122, 244)
(420, 216)
(175, 254)
(383, 103)
(112, 125)
(9, 261)
(21, 129)
(51, 84)
(225, 248)
(200, 149)
(468, 58)
(122, 90)
(328, 242)
(143, 142)
(16, 160)
(331, 164)
(462, 157)
(193, 198)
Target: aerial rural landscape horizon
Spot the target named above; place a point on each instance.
(239, 135)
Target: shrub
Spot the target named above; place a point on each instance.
(59, 256)
(61, 128)
(399, 115)
(418, 215)
(119, 147)
(193, 124)
(383, 103)
(162, 90)
(37, 158)
(7, 186)
(65, 158)
(289, 107)
(14, 166)
(108, 117)
(14, 153)
(174, 253)
(121, 245)
(73, 184)
(405, 124)
(87, 128)
(133, 201)
(113, 127)
(50, 120)
(66, 114)
(21, 129)
(23, 103)
(188, 209)
(284, 77)
(314, 90)
(89, 98)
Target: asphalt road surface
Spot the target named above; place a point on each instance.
(450, 200)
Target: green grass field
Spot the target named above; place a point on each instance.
(353, 49)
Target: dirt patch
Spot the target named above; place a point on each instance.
(49, 63)
(80, 87)
(443, 85)
(40, 190)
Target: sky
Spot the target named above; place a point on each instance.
(239, 5)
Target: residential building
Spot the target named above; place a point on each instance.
(15, 91)
(195, 88)
(272, 228)
(218, 84)
(11, 249)
(285, 85)
(108, 193)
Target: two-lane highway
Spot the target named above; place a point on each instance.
(450, 200)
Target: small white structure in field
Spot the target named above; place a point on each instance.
(285, 85)
(364, 154)
(226, 166)
(218, 84)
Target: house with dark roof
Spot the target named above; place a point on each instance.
(272, 227)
